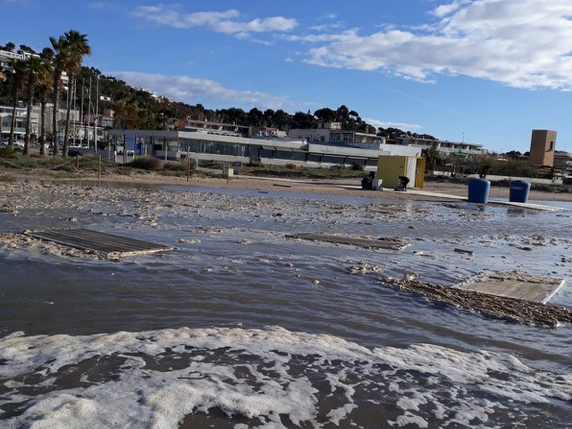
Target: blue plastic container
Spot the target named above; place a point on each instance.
(519, 190)
(479, 191)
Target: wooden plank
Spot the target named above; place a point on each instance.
(86, 239)
(513, 285)
(392, 243)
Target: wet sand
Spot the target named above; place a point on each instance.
(342, 186)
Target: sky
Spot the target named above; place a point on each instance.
(478, 71)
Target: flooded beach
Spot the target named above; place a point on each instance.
(241, 325)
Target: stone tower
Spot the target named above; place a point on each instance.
(542, 147)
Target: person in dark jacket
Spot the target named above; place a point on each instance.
(403, 182)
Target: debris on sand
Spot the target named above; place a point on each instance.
(391, 243)
(363, 267)
(498, 307)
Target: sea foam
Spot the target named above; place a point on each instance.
(261, 378)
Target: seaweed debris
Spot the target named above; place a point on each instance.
(498, 307)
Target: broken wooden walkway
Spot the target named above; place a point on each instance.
(392, 243)
(109, 244)
(489, 304)
(513, 285)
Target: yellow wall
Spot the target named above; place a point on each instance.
(389, 168)
(420, 172)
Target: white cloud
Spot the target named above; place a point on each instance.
(400, 125)
(227, 22)
(519, 43)
(321, 38)
(446, 9)
(193, 90)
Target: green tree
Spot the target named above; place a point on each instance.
(8, 47)
(32, 70)
(325, 115)
(44, 84)
(303, 120)
(60, 49)
(281, 119)
(433, 157)
(16, 79)
(342, 114)
(77, 47)
(254, 117)
(126, 115)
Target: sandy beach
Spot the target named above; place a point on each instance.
(341, 186)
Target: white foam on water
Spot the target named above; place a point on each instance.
(260, 378)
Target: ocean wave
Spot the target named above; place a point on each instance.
(235, 377)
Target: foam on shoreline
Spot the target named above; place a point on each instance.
(263, 378)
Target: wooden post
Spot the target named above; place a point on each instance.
(99, 167)
(188, 167)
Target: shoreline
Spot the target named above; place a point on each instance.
(337, 186)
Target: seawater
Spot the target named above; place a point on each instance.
(240, 326)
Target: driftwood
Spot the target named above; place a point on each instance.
(497, 307)
(391, 243)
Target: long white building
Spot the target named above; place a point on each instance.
(205, 144)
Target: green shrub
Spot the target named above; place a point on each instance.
(147, 162)
(357, 167)
(8, 152)
(253, 164)
(175, 166)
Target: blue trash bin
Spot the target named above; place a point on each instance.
(519, 190)
(479, 191)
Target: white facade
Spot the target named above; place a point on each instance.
(210, 145)
(333, 133)
(444, 146)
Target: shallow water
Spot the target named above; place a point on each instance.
(241, 326)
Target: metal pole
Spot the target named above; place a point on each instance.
(89, 109)
(75, 121)
(81, 107)
(96, 114)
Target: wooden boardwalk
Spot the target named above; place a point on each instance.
(513, 285)
(392, 243)
(86, 239)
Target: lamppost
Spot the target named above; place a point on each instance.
(96, 115)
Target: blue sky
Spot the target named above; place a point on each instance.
(486, 71)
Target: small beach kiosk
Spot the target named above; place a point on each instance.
(390, 167)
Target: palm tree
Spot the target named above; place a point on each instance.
(44, 84)
(77, 47)
(16, 78)
(60, 59)
(33, 66)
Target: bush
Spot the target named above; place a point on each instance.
(7, 152)
(357, 167)
(175, 166)
(147, 162)
(253, 164)
(290, 167)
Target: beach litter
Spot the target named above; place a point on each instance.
(392, 243)
(494, 306)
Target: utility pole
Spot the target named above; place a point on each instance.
(89, 108)
(81, 110)
(96, 114)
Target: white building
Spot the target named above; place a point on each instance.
(211, 144)
(445, 147)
